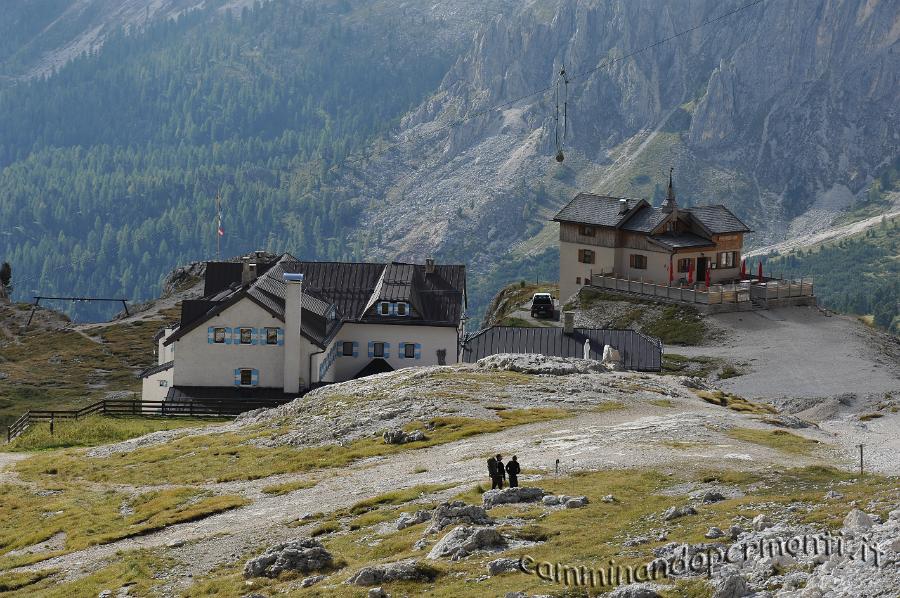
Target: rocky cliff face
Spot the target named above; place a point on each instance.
(767, 111)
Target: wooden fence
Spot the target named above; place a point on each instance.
(740, 293)
(124, 408)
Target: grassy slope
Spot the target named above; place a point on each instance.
(49, 366)
(590, 536)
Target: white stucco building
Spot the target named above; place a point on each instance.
(248, 336)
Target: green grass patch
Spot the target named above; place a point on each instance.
(780, 440)
(681, 365)
(140, 571)
(668, 403)
(734, 402)
(88, 516)
(870, 416)
(288, 487)
(230, 456)
(95, 430)
(677, 326)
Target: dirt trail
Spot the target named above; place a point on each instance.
(593, 440)
(830, 234)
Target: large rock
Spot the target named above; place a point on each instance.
(761, 522)
(577, 502)
(635, 590)
(676, 512)
(504, 565)
(303, 555)
(492, 498)
(857, 522)
(409, 519)
(398, 436)
(733, 586)
(464, 540)
(712, 496)
(457, 513)
(533, 363)
(408, 570)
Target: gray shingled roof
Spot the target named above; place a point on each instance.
(348, 291)
(682, 239)
(596, 210)
(718, 219)
(645, 219)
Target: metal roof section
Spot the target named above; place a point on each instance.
(645, 220)
(673, 240)
(717, 219)
(639, 352)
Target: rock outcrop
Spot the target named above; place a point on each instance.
(464, 540)
(407, 570)
(303, 555)
(492, 498)
(457, 513)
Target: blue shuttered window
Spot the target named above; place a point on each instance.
(418, 351)
(404, 347)
(210, 335)
(240, 373)
(281, 337)
(227, 335)
(355, 349)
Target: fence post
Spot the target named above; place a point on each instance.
(52, 415)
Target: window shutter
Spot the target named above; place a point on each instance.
(254, 377)
(355, 349)
(401, 350)
(228, 338)
(281, 337)
(387, 350)
(418, 351)
(253, 335)
(581, 255)
(237, 377)
(210, 335)
(371, 349)
(393, 309)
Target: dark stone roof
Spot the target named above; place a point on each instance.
(717, 219)
(645, 219)
(596, 210)
(157, 369)
(604, 210)
(639, 352)
(672, 240)
(337, 292)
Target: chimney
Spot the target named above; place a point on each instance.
(293, 294)
(429, 266)
(623, 206)
(568, 322)
(248, 271)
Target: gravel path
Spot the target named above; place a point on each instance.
(593, 440)
(801, 352)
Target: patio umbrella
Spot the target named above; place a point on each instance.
(707, 276)
(759, 270)
(671, 273)
(744, 268)
(691, 273)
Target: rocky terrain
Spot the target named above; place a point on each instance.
(327, 498)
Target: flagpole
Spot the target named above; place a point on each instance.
(218, 226)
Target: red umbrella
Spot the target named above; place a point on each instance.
(691, 273)
(707, 276)
(744, 268)
(759, 270)
(671, 273)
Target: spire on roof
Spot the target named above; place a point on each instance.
(670, 205)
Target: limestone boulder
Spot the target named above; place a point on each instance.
(303, 555)
(492, 498)
(464, 540)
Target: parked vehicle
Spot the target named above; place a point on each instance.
(542, 306)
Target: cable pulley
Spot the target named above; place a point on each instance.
(563, 80)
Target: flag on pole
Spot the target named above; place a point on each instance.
(219, 228)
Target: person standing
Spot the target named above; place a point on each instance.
(513, 469)
(492, 471)
(501, 473)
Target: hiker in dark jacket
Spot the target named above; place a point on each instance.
(512, 468)
(499, 473)
(492, 468)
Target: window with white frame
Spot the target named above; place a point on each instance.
(163, 382)
(384, 308)
(271, 336)
(347, 349)
(246, 336)
(727, 259)
(378, 349)
(219, 336)
(402, 309)
(409, 350)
